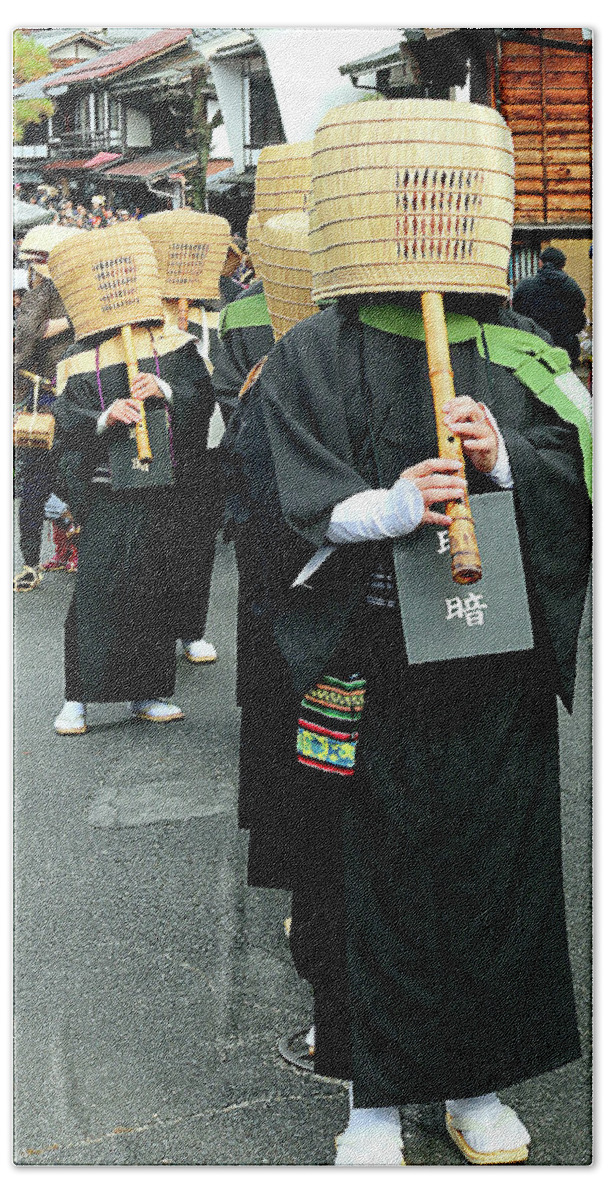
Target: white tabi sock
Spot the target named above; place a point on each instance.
(368, 1118)
(486, 1124)
(371, 1138)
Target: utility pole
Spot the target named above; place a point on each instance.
(203, 132)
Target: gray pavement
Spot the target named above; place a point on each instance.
(151, 983)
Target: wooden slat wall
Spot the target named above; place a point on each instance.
(545, 95)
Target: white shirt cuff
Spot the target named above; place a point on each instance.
(102, 421)
(376, 514)
(501, 471)
(166, 390)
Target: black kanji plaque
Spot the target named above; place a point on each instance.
(442, 619)
(126, 470)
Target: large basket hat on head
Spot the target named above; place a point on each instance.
(190, 249)
(411, 195)
(38, 243)
(282, 179)
(107, 278)
(285, 266)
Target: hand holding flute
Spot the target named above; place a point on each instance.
(128, 411)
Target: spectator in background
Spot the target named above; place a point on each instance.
(554, 301)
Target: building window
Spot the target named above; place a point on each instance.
(265, 125)
(99, 113)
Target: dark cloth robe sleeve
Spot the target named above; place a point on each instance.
(308, 435)
(237, 351)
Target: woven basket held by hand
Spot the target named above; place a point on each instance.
(190, 248)
(411, 195)
(107, 278)
(285, 267)
(282, 179)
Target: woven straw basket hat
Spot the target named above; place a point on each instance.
(282, 179)
(107, 278)
(411, 195)
(285, 267)
(190, 249)
(41, 239)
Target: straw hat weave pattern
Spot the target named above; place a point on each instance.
(107, 278)
(411, 195)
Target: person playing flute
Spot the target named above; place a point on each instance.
(126, 372)
(437, 900)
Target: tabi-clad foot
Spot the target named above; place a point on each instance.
(72, 718)
(199, 651)
(486, 1131)
(372, 1138)
(155, 710)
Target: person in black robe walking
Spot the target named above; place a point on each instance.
(450, 828)
(133, 589)
(446, 972)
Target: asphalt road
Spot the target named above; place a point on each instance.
(151, 983)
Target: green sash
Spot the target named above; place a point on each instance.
(536, 365)
(244, 314)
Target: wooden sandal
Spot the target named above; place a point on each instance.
(483, 1158)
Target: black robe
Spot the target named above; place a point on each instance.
(254, 522)
(138, 551)
(445, 971)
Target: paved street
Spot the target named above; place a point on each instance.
(151, 983)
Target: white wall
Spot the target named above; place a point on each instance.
(228, 85)
(138, 128)
(304, 67)
(220, 145)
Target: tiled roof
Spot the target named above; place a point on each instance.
(104, 65)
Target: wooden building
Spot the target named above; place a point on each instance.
(541, 82)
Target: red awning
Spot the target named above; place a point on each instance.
(102, 159)
(152, 166)
(215, 165)
(68, 164)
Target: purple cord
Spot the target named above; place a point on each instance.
(103, 407)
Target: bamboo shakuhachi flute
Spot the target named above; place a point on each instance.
(464, 551)
(144, 450)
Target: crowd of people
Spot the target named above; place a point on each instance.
(422, 851)
(96, 214)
